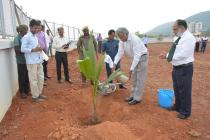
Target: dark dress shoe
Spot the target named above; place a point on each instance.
(128, 99)
(42, 97)
(173, 108)
(69, 81)
(23, 96)
(91, 82)
(121, 86)
(48, 77)
(133, 102)
(181, 116)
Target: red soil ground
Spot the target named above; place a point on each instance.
(63, 115)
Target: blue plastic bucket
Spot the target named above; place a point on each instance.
(165, 98)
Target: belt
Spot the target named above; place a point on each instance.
(183, 65)
(144, 54)
(60, 52)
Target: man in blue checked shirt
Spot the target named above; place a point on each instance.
(110, 46)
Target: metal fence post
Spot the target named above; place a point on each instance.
(17, 15)
(2, 20)
(74, 33)
(54, 29)
(68, 32)
(13, 18)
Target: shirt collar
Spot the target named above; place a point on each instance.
(129, 37)
(60, 37)
(110, 39)
(185, 33)
(33, 35)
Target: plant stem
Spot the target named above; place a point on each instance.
(94, 94)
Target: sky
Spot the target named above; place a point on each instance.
(102, 15)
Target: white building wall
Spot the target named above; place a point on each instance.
(198, 27)
(8, 76)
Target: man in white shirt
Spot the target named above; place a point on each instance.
(34, 59)
(204, 44)
(61, 44)
(197, 44)
(137, 52)
(181, 56)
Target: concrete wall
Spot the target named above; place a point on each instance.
(8, 76)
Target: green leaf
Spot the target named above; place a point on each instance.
(114, 75)
(100, 66)
(84, 52)
(91, 55)
(84, 66)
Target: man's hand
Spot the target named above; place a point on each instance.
(163, 55)
(130, 73)
(97, 56)
(65, 46)
(37, 49)
(113, 69)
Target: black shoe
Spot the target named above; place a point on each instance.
(181, 116)
(122, 87)
(91, 82)
(173, 108)
(38, 99)
(69, 81)
(23, 96)
(133, 102)
(42, 97)
(27, 92)
(48, 77)
(128, 99)
(45, 78)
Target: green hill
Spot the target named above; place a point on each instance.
(165, 29)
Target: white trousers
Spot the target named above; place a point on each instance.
(138, 77)
(36, 79)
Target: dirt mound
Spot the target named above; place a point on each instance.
(65, 133)
(104, 131)
(108, 131)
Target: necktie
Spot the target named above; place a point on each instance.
(172, 50)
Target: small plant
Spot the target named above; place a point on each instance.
(89, 67)
(92, 71)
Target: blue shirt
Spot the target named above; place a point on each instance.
(30, 41)
(145, 40)
(111, 47)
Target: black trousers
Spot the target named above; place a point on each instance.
(23, 80)
(146, 45)
(203, 47)
(109, 70)
(44, 64)
(61, 58)
(197, 46)
(99, 46)
(182, 83)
